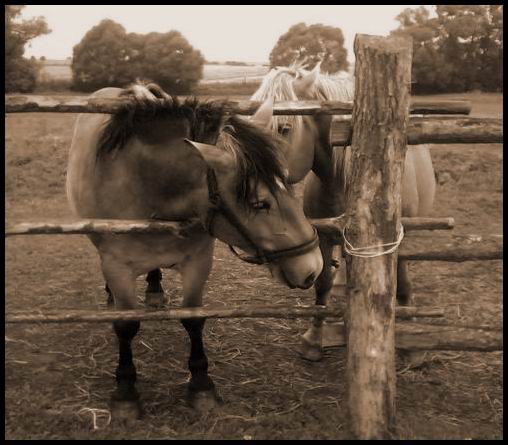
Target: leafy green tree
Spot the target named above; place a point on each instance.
(313, 44)
(20, 72)
(108, 56)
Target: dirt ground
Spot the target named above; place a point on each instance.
(59, 377)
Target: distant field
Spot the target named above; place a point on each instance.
(59, 70)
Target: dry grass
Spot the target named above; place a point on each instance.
(59, 378)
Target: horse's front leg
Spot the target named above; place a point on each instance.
(120, 279)
(154, 293)
(312, 340)
(201, 393)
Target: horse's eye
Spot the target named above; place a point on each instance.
(284, 130)
(261, 205)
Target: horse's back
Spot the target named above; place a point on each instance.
(82, 155)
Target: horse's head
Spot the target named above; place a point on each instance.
(251, 206)
(301, 133)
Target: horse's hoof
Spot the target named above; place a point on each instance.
(311, 351)
(204, 402)
(125, 411)
(155, 299)
(125, 406)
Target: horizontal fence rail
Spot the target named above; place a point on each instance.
(452, 248)
(418, 336)
(408, 335)
(103, 316)
(436, 130)
(84, 104)
(180, 229)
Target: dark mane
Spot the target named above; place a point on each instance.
(258, 152)
(259, 155)
(205, 120)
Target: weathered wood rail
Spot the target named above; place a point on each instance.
(276, 311)
(453, 248)
(421, 130)
(179, 228)
(418, 336)
(83, 104)
(437, 130)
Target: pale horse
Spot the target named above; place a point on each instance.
(311, 157)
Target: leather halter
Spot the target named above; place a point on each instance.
(217, 205)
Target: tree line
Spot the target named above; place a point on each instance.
(459, 48)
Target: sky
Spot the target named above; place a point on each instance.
(245, 33)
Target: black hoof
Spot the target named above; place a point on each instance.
(124, 409)
(204, 402)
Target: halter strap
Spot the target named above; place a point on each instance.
(270, 256)
(217, 205)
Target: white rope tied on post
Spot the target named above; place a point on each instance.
(373, 251)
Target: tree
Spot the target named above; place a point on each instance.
(20, 72)
(429, 70)
(313, 44)
(172, 62)
(108, 56)
(460, 49)
(99, 57)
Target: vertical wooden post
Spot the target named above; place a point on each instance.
(380, 118)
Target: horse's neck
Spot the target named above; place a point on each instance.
(162, 180)
(299, 151)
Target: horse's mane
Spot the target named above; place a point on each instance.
(257, 152)
(278, 84)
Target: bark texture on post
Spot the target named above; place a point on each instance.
(380, 119)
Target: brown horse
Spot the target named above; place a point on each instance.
(310, 155)
(177, 160)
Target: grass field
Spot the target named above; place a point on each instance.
(56, 375)
(59, 70)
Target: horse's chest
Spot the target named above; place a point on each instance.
(143, 253)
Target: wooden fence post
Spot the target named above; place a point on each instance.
(380, 118)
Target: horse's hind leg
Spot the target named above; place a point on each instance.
(312, 340)
(404, 288)
(154, 293)
(125, 404)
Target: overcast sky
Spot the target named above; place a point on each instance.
(221, 32)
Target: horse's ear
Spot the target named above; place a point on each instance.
(264, 113)
(303, 84)
(213, 156)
